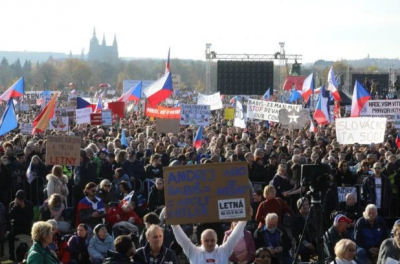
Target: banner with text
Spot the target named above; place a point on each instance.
(207, 193)
(63, 150)
(163, 112)
(362, 130)
(267, 110)
(381, 108)
(83, 115)
(195, 115)
(213, 100)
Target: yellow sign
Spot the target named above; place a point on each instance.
(229, 113)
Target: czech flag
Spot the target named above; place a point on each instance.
(308, 87)
(16, 90)
(267, 95)
(42, 120)
(321, 114)
(99, 106)
(74, 92)
(9, 120)
(360, 97)
(160, 89)
(86, 204)
(198, 138)
(82, 103)
(398, 140)
(134, 94)
(333, 85)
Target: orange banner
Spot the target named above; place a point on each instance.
(163, 112)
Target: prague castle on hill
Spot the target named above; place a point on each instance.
(102, 52)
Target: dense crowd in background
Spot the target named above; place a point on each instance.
(87, 213)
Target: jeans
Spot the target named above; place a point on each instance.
(362, 257)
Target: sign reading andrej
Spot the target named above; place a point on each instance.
(362, 130)
(207, 193)
(63, 150)
(269, 111)
(381, 108)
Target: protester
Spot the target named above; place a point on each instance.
(42, 235)
(100, 243)
(345, 250)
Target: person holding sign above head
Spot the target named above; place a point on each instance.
(209, 252)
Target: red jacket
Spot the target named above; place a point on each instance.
(111, 216)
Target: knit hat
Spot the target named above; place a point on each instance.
(98, 227)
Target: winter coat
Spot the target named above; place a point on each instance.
(134, 169)
(39, 254)
(79, 246)
(111, 216)
(154, 172)
(369, 195)
(116, 183)
(21, 218)
(57, 185)
(167, 255)
(248, 237)
(156, 198)
(118, 258)
(98, 248)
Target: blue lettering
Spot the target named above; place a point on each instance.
(185, 190)
(191, 176)
(235, 171)
(194, 201)
(188, 212)
(236, 190)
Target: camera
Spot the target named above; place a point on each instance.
(315, 176)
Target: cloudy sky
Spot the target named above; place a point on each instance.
(317, 29)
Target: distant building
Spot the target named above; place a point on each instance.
(102, 52)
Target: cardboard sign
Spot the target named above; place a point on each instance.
(26, 128)
(293, 119)
(381, 108)
(213, 100)
(197, 115)
(207, 193)
(83, 115)
(267, 110)
(106, 117)
(229, 113)
(167, 125)
(343, 191)
(95, 119)
(63, 150)
(362, 130)
(163, 112)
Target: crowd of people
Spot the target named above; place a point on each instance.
(89, 214)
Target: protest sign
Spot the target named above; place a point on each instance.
(396, 121)
(106, 117)
(59, 123)
(343, 191)
(167, 125)
(163, 112)
(229, 113)
(24, 107)
(381, 108)
(63, 150)
(95, 119)
(83, 115)
(362, 130)
(267, 110)
(196, 115)
(240, 116)
(213, 100)
(26, 128)
(207, 193)
(293, 119)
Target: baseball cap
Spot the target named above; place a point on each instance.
(340, 218)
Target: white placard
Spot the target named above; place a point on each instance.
(396, 121)
(197, 115)
(24, 107)
(171, 101)
(83, 115)
(59, 123)
(231, 208)
(106, 117)
(213, 100)
(362, 130)
(343, 191)
(381, 108)
(267, 110)
(26, 128)
(240, 116)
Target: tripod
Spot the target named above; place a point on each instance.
(317, 209)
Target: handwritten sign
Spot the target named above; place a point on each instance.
(197, 115)
(213, 100)
(362, 130)
(343, 191)
(26, 128)
(381, 108)
(163, 112)
(229, 113)
(83, 115)
(207, 193)
(267, 110)
(59, 123)
(63, 150)
(95, 119)
(106, 117)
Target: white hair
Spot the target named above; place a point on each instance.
(271, 216)
(369, 208)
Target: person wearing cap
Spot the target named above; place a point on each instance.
(370, 231)
(133, 167)
(21, 218)
(100, 243)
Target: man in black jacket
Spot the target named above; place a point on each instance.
(124, 251)
(154, 251)
(21, 217)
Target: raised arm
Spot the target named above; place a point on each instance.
(184, 241)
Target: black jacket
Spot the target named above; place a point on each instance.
(260, 239)
(166, 255)
(21, 218)
(156, 198)
(118, 258)
(134, 169)
(297, 225)
(331, 237)
(369, 195)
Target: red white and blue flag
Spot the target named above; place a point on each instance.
(99, 106)
(267, 95)
(360, 97)
(308, 87)
(198, 138)
(16, 90)
(321, 114)
(134, 94)
(333, 85)
(74, 92)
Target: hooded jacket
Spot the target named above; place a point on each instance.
(57, 185)
(98, 248)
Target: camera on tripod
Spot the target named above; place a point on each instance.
(316, 177)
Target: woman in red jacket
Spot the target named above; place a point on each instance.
(123, 217)
(272, 204)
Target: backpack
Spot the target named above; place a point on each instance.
(21, 251)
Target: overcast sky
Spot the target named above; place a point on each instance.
(317, 29)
